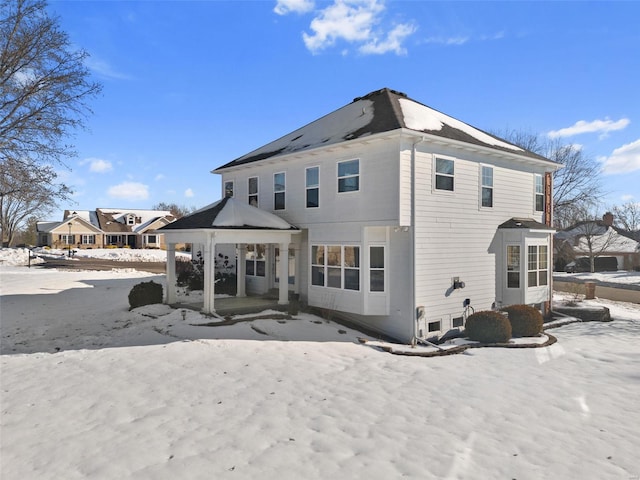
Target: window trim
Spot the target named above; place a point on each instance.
(283, 192)
(257, 192)
(86, 236)
(311, 187)
(343, 177)
(255, 260)
(483, 187)
(434, 188)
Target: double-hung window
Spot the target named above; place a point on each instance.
(88, 239)
(486, 190)
(539, 193)
(376, 269)
(255, 260)
(513, 266)
(444, 173)
(228, 189)
(313, 187)
(279, 188)
(67, 239)
(537, 266)
(349, 176)
(253, 191)
(335, 266)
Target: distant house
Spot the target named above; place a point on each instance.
(598, 238)
(105, 227)
(394, 216)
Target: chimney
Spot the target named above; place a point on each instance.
(607, 219)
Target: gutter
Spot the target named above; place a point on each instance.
(414, 295)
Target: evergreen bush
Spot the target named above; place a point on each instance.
(488, 327)
(145, 293)
(525, 321)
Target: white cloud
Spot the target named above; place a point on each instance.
(623, 160)
(129, 191)
(603, 126)
(448, 40)
(297, 6)
(356, 22)
(98, 165)
(188, 193)
(393, 42)
(104, 69)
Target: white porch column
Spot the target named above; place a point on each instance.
(240, 271)
(209, 275)
(171, 274)
(283, 297)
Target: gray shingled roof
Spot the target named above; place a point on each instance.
(381, 111)
(528, 223)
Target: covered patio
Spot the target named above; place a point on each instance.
(228, 222)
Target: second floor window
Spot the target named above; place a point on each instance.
(349, 176)
(313, 187)
(228, 189)
(253, 191)
(279, 185)
(444, 174)
(539, 193)
(487, 187)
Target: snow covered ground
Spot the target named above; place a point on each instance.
(20, 256)
(92, 390)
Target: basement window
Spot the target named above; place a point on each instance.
(434, 326)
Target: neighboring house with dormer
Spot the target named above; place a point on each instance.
(105, 227)
(395, 216)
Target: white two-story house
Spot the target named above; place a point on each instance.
(395, 216)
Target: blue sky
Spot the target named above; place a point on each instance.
(190, 85)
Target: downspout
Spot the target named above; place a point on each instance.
(414, 309)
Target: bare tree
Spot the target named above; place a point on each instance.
(26, 192)
(175, 209)
(627, 216)
(576, 186)
(44, 89)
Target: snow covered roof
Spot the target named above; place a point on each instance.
(381, 111)
(229, 213)
(604, 238)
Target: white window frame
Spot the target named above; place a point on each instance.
(514, 271)
(378, 269)
(225, 190)
(309, 187)
(484, 186)
(87, 236)
(437, 174)
(147, 239)
(348, 176)
(538, 193)
(131, 219)
(254, 195)
(277, 191)
(255, 260)
(68, 239)
(341, 266)
(540, 270)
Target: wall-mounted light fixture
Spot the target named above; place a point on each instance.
(457, 283)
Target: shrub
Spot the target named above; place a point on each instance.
(525, 321)
(145, 293)
(488, 327)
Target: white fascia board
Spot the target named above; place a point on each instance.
(548, 164)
